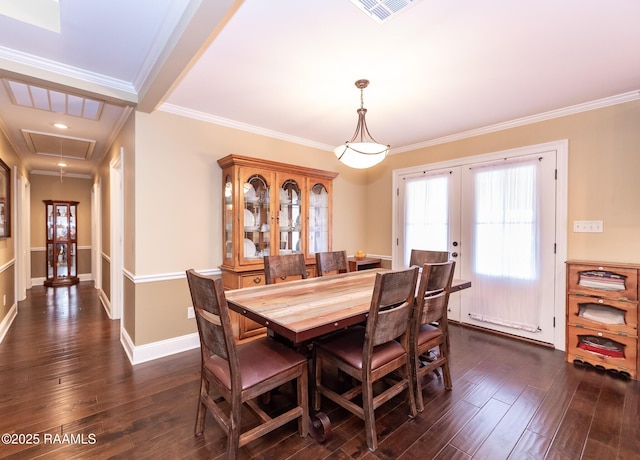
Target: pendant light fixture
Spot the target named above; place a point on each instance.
(362, 151)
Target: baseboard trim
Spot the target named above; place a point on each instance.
(6, 323)
(155, 350)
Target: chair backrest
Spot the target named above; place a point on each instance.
(214, 322)
(390, 310)
(331, 262)
(277, 268)
(420, 257)
(433, 292)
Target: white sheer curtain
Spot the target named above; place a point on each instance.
(426, 213)
(506, 235)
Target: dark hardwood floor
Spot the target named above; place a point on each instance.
(65, 381)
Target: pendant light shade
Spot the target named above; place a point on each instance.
(362, 151)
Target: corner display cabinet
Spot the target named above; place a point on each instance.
(270, 208)
(62, 243)
(602, 316)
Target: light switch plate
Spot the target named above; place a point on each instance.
(588, 226)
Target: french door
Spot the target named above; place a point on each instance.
(497, 220)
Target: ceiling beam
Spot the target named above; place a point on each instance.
(201, 23)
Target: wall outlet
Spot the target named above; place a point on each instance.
(588, 226)
(191, 313)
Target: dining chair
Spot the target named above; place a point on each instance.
(241, 372)
(419, 257)
(429, 327)
(329, 263)
(370, 353)
(285, 267)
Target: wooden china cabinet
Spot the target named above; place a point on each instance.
(62, 243)
(270, 208)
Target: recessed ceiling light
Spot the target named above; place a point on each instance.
(60, 125)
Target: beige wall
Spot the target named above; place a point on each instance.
(49, 187)
(7, 253)
(178, 186)
(124, 143)
(176, 197)
(177, 219)
(604, 161)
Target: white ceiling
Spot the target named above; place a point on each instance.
(287, 68)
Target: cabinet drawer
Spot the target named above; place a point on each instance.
(255, 279)
(603, 349)
(603, 314)
(603, 281)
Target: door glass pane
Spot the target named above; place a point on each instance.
(72, 222)
(426, 214)
(505, 245)
(61, 261)
(72, 259)
(289, 217)
(318, 219)
(50, 223)
(50, 260)
(256, 218)
(228, 218)
(62, 223)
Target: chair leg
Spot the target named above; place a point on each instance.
(446, 373)
(369, 415)
(201, 412)
(233, 438)
(416, 376)
(447, 377)
(411, 390)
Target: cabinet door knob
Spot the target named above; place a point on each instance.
(257, 280)
(599, 334)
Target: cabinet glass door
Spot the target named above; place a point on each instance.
(318, 219)
(228, 218)
(50, 260)
(290, 217)
(61, 243)
(256, 217)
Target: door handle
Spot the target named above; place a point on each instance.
(454, 254)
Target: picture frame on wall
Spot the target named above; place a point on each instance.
(5, 200)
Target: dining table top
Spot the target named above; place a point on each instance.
(305, 309)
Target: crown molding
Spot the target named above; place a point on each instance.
(37, 67)
(177, 110)
(571, 110)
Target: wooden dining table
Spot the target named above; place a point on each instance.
(305, 309)
(302, 310)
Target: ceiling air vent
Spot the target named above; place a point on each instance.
(37, 97)
(382, 11)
